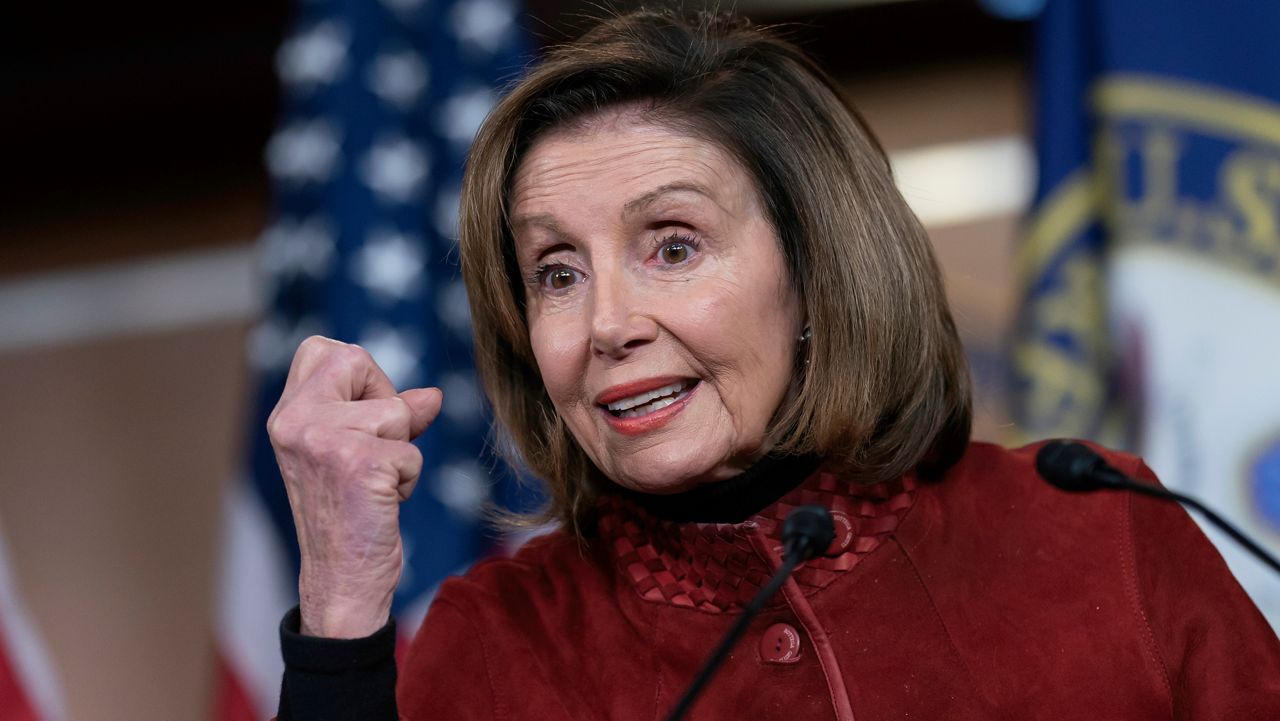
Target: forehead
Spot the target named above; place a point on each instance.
(618, 155)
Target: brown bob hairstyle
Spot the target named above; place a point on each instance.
(885, 388)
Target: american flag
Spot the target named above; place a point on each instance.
(381, 99)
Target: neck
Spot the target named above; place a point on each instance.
(733, 500)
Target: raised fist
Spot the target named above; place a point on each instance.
(342, 436)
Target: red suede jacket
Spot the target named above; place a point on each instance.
(986, 595)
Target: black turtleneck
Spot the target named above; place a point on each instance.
(734, 500)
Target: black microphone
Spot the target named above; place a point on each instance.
(806, 533)
(1074, 467)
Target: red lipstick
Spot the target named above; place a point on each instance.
(635, 388)
(638, 425)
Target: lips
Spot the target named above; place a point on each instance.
(625, 391)
(649, 400)
(642, 406)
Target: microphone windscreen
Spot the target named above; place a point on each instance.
(810, 529)
(1069, 465)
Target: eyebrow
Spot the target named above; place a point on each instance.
(544, 220)
(549, 222)
(644, 201)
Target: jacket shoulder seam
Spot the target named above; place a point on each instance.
(1129, 554)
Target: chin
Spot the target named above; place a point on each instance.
(662, 476)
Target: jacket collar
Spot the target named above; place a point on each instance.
(719, 567)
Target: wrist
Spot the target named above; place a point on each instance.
(342, 618)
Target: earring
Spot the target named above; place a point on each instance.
(804, 343)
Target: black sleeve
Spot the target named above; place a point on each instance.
(338, 679)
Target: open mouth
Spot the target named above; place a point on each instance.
(642, 404)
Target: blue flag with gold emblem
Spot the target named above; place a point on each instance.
(1150, 314)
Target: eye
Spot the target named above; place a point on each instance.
(676, 252)
(676, 249)
(558, 277)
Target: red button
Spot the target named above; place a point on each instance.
(844, 534)
(780, 644)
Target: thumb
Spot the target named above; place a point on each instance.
(424, 404)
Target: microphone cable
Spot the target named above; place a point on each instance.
(806, 533)
(1075, 468)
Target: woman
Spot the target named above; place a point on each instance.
(699, 302)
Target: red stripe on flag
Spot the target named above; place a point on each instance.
(231, 702)
(14, 705)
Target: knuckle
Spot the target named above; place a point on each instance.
(351, 355)
(346, 458)
(327, 351)
(274, 431)
(314, 343)
(336, 460)
(413, 454)
(281, 427)
(313, 346)
(315, 440)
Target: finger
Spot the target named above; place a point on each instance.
(387, 418)
(368, 381)
(423, 405)
(346, 372)
(406, 459)
(309, 355)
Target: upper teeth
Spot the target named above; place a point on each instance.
(633, 401)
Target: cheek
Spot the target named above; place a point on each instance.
(754, 332)
(557, 350)
(709, 322)
(737, 335)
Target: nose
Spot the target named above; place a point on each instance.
(620, 322)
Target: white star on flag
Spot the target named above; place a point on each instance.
(483, 23)
(273, 341)
(398, 77)
(389, 265)
(464, 112)
(395, 168)
(462, 487)
(314, 57)
(305, 151)
(454, 309)
(461, 398)
(395, 352)
(292, 246)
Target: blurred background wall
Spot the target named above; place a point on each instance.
(132, 145)
(128, 285)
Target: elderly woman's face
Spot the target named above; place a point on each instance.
(659, 305)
